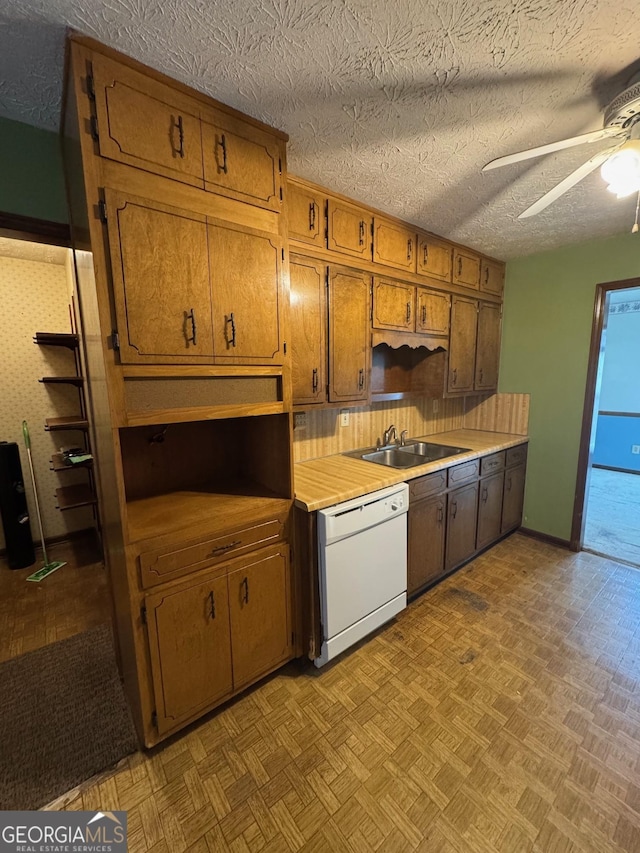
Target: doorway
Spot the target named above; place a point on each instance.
(607, 508)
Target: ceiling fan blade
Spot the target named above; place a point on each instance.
(570, 181)
(594, 136)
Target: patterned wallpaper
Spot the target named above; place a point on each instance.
(35, 297)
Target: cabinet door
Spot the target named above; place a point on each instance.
(435, 258)
(426, 542)
(514, 479)
(240, 160)
(490, 509)
(245, 270)
(434, 310)
(160, 269)
(393, 305)
(259, 607)
(462, 344)
(461, 525)
(190, 648)
(349, 229)
(308, 320)
(491, 277)
(466, 269)
(394, 245)
(488, 346)
(145, 123)
(349, 344)
(305, 209)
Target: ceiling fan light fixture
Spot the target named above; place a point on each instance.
(621, 171)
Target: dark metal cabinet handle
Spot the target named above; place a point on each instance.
(245, 584)
(212, 605)
(192, 316)
(454, 376)
(312, 216)
(222, 143)
(409, 248)
(425, 250)
(180, 126)
(408, 311)
(459, 266)
(361, 379)
(229, 321)
(424, 315)
(454, 509)
(480, 376)
(440, 517)
(509, 484)
(485, 495)
(361, 234)
(314, 379)
(486, 275)
(222, 549)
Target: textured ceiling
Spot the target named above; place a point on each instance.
(398, 104)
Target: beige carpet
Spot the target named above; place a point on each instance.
(63, 718)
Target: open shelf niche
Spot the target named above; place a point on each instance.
(179, 475)
(403, 367)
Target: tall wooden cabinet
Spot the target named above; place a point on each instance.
(184, 302)
(474, 354)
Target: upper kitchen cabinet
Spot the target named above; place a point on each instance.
(349, 336)
(491, 277)
(145, 123)
(466, 268)
(242, 161)
(247, 302)
(394, 245)
(435, 257)
(160, 270)
(462, 351)
(349, 229)
(308, 330)
(488, 346)
(432, 311)
(306, 214)
(393, 305)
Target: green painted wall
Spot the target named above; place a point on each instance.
(548, 314)
(32, 182)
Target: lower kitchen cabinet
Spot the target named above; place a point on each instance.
(490, 509)
(190, 648)
(513, 499)
(426, 541)
(461, 525)
(260, 616)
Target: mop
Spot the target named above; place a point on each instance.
(48, 567)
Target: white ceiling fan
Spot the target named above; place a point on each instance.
(620, 163)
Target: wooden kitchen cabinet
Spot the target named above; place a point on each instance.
(394, 245)
(160, 270)
(145, 123)
(490, 509)
(491, 277)
(461, 524)
(488, 346)
(190, 648)
(349, 344)
(466, 268)
(426, 535)
(513, 500)
(240, 160)
(245, 271)
(393, 305)
(433, 311)
(260, 618)
(308, 330)
(306, 214)
(434, 257)
(462, 347)
(349, 229)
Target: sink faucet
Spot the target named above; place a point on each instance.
(389, 435)
(403, 438)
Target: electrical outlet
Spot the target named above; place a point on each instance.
(300, 420)
(344, 417)
(635, 448)
(435, 405)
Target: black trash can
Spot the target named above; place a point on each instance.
(13, 508)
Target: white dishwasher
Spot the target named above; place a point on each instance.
(362, 566)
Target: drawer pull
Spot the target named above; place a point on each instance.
(245, 584)
(212, 605)
(222, 549)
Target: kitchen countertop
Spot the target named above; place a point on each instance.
(320, 483)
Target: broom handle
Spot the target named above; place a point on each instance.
(27, 441)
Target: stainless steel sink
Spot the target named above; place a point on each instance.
(408, 455)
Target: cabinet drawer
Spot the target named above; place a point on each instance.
(428, 485)
(463, 473)
(516, 454)
(489, 464)
(168, 563)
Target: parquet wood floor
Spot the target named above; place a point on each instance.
(71, 600)
(500, 712)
